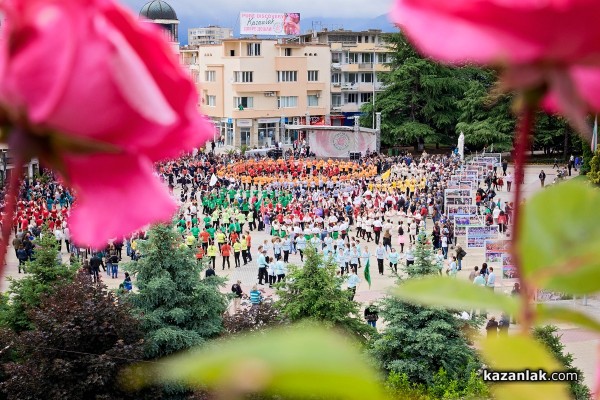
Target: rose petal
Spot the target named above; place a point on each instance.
(503, 31)
(116, 195)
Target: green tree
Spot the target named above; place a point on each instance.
(418, 342)
(420, 99)
(424, 258)
(486, 119)
(548, 337)
(45, 273)
(314, 292)
(178, 310)
(81, 340)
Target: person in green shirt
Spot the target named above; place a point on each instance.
(211, 252)
(211, 231)
(237, 248)
(215, 218)
(195, 231)
(207, 220)
(250, 219)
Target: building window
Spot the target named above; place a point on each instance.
(353, 58)
(244, 136)
(242, 76)
(211, 101)
(243, 102)
(336, 99)
(287, 76)
(336, 57)
(366, 97)
(352, 78)
(313, 100)
(210, 76)
(228, 128)
(382, 58)
(287, 52)
(366, 77)
(287, 101)
(367, 57)
(336, 78)
(253, 49)
(351, 98)
(266, 134)
(313, 76)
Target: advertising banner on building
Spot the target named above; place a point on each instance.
(330, 143)
(269, 24)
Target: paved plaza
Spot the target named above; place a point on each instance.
(578, 341)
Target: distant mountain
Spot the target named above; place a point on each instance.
(382, 22)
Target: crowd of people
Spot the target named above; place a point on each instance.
(338, 207)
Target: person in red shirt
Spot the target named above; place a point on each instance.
(225, 253)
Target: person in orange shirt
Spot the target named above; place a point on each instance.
(200, 253)
(225, 253)
(249, 244)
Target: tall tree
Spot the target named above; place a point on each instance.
(486, 118)
(45, 273)
(82, 338)
(178, 310)
(420, 100)
(420, 341)
(314, 292)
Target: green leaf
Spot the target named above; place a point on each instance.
(560, 233)
(452, 293)
(300, 361)
(517, 353)
(546, 313)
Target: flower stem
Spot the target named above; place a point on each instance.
(9, 211)
(521, 145)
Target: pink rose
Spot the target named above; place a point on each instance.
(503, 31)
(87, 75)
(552, 43)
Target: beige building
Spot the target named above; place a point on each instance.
(209, 35)
(356, 60)
(251, 88)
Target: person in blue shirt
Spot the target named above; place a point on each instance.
(393, 256)
(352, 282)
(255, 297)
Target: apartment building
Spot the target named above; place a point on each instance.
(357, 57)
(209, 35)
(251, 88)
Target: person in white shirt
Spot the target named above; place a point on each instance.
(380, 254)
(352, 282)
(58, 235)
(491, 279)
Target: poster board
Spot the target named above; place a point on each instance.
(477, 235)
(462, 221)
(453, 210)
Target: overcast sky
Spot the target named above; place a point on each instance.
(311, 9)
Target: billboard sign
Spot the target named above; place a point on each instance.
(269, 24)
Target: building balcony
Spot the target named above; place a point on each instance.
(365, 66)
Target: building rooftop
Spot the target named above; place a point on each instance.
(158, 10)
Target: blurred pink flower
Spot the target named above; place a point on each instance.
(503, 31)
(86, 75)
(552, 42)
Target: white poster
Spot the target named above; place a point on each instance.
(331, 143)
(477, 235)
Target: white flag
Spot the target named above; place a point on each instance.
(213, 180)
